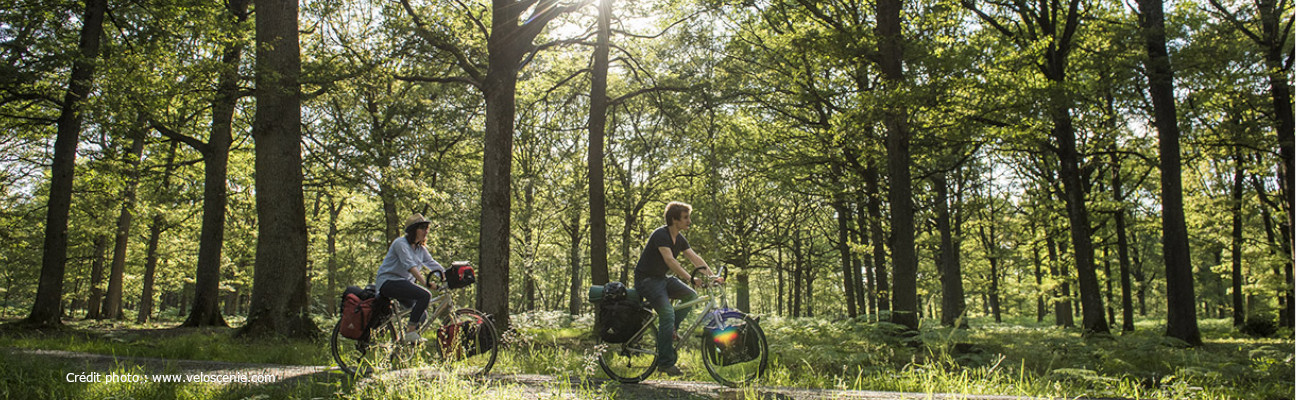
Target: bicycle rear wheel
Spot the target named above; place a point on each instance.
(361, 357)
(737, 355)
(631, 361)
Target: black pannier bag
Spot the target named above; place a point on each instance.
(620, 312)
(616, 322)
(731, 342)
(460, 275)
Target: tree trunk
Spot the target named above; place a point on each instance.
(742, 290)
(156, 228)
(1038, 282)
(902, 239)
(48, 306)
(846, 262)
(954, 296)
(1121, 233)
(507, 43)
(1142, 284)
(94, 303)
(1061, 294)
(150, 270)
(113, 302)
(207, 276)
(1285, 295)
(877, 216)
(1181, 318)
(574, 229)
(596, 149)
(1110, 287)
(808, 279)
(780, 284)
(859, 280)
(331, 265)
(1094, 318)
(279, 304)
(868, 269)
(216, 157)
(988, 238)
(1238, 186)
(796, 300)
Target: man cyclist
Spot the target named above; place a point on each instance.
(658, 259)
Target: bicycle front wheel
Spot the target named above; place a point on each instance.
(470, 348)
(736, 355)
(361, 357)
(632, 361)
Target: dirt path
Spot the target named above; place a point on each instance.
(539, 385)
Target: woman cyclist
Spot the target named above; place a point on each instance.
(401, 276)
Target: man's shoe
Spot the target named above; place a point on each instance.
(671, 370)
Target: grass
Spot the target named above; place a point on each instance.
(1014, 358)
(217, 344)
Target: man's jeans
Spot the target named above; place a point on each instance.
(660, 292)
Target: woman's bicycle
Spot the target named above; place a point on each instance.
(732, 347)
(463, 340)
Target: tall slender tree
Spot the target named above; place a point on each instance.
(950, 279)
(1274, 33)
(510, 39)
(206, 309)
(113, 299)
(1049, 29)
(48, 307)
(902, 244)
(1181, 298)
(156, 228)
(596, 147)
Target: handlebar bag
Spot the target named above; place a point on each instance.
(460, 275)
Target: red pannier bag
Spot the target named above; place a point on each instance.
(358, 308)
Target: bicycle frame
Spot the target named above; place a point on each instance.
(442, 305)
(711, 297)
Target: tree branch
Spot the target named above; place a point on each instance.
(438, 42)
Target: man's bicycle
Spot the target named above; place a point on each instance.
(462, 340)
(732, 346)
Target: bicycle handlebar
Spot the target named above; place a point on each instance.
(707, 281)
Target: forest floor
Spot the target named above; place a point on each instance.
(550, 355)
(536, 386)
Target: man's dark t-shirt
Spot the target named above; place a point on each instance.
(652, 263)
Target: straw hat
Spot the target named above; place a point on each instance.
(415, 219)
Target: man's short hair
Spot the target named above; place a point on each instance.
(675, 211)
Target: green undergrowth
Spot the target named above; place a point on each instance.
(166, 341)
(1021, 358)
(26, 377)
